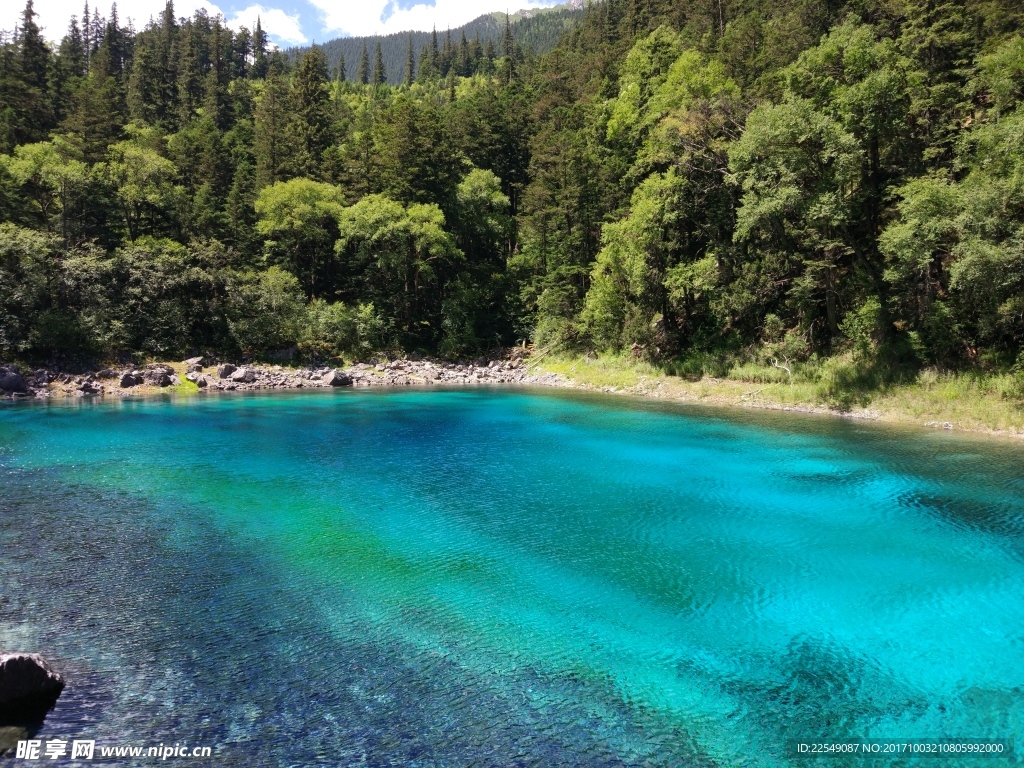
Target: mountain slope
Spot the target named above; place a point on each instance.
(536, 31)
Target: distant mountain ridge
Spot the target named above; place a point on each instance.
(535, 30)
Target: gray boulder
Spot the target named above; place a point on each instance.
(243, 376)
(27, 682)
(106, 373)
(195, 361)
(157, 378)
(129, 379)
(11, 380)
(202, 381)
(337, 379)
(225, 371)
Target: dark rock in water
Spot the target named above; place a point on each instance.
(11, 380)
(224, 371)
(336, 379)
(128, 380)
(10, 735)
(243, 376)
(28, 686)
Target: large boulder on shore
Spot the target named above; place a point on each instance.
(157, 378)
(28, 683)
(336, 379)
(11, 380)
(243, 376)
(224, 371)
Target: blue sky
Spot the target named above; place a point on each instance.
(289, 22)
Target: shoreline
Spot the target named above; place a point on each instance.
(512, 367)
(199, 375)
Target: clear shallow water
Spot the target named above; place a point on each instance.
(496, 577)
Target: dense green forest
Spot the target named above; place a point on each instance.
(706, 184)
(465, 51)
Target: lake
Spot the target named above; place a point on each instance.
(508, 577)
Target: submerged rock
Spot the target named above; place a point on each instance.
(28, 685)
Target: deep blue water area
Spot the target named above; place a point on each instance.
(503, 577)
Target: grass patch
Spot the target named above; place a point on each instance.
(968, 401)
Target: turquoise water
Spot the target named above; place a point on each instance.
(509, 577)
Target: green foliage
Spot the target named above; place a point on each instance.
(265, 311)
(819, 195)
(298, 218)
(25, 284)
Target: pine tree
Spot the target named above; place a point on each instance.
(35, 113)
(342, 70)
(311, 112)
(216, 97)
(87, 34)
(363, 74)
(117, 48)
(272, 146)
(507, 40)
(380, 75)
(168, 65)
(463, 64)
(68, 71)
(259, 51)
(447, 54)
(410, 64)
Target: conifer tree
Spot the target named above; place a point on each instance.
(311, 112)
(380, 75)
(363, 74)
(259, 52)
(272, 146)
(35, 113)
(410, 64)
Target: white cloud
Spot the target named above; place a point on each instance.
(54, 16)
(274, 22)
(363, 17)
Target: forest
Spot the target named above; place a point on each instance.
(791, 184)
(466, 50)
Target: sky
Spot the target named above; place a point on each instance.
(288, 22)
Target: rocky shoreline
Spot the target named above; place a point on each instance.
(209, 375)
